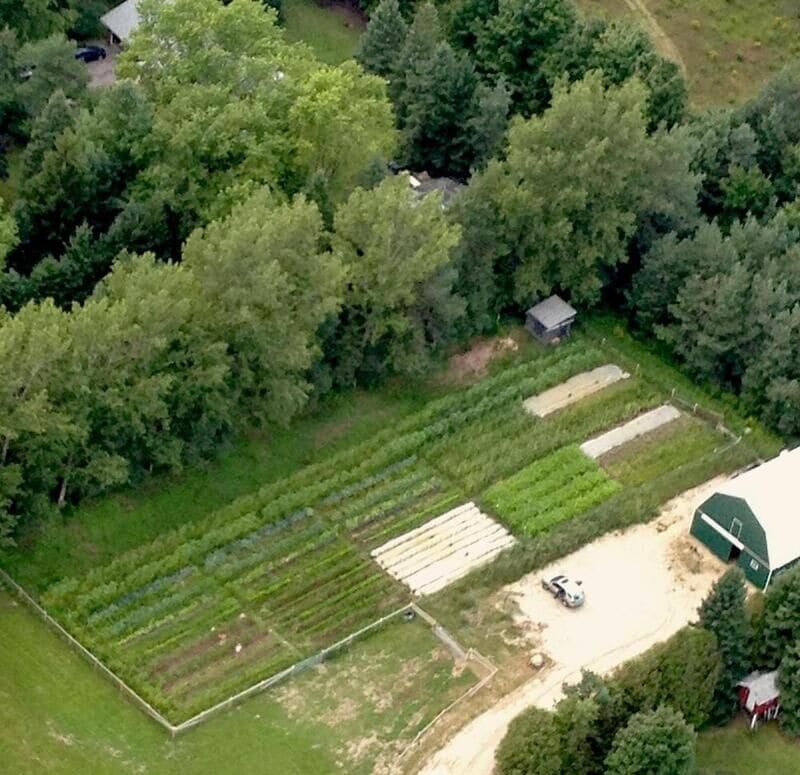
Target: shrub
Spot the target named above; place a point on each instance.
(658, 742)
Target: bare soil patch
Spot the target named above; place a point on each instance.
(474, 363)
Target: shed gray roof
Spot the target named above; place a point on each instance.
(553, 312)
(772, 491)
(123, 19)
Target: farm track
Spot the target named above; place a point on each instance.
(663, 42)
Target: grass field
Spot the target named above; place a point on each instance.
(332, 30)
(60, 716)
(735, 750)
(729, 47)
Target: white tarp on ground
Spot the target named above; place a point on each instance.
(444, 549)
(636, 427)
(574, 389)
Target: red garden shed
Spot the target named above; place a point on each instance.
(759, 696)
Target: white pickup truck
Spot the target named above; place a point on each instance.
(567, 591)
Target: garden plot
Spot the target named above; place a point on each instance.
(444, 549)
(638, 426)
(555, 488)
(574, 389)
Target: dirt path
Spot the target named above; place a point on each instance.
(659, 573)
(661, 40)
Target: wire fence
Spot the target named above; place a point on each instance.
(471, 655)
(86, 654)
(298, 667)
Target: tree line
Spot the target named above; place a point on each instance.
(245, 185)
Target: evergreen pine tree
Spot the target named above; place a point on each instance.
(487, 127)
(438, 101)
(724, 613)
(789, 685)
(383, 39)
(423, 36)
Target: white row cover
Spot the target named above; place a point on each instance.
(574, 389)
(444, 549)
(638, 426)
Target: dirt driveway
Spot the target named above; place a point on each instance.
(641, 585)
(101, 72)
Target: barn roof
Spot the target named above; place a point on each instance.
(762, 688)
(123, 19)
(772, 493)
(553, 312)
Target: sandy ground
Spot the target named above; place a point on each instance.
(642, 585)
(573, 390)
(638, 426)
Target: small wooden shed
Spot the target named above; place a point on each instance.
(759, 696)
(550, 319)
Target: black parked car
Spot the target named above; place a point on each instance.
(90, 53)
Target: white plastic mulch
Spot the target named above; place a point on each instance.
(636, 427)
(574, 389)
(444, 549)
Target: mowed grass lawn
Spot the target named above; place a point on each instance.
(730, 47)
(58, 715)
(332, 30)
(735, 750)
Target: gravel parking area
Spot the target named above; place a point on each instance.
(642, 586)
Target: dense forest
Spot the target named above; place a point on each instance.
(219, 238)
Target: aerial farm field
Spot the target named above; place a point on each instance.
(215, 604)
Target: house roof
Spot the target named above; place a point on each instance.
(553, 312)
(421, 184)
(762, 687)
(772, 493)
(123, 19)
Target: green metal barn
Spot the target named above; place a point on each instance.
(754, 519)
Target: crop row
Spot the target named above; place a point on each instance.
(664, 450)
(549, 491)
(285, 571)
(516, 439)
(334, 480)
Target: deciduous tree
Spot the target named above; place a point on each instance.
(52, 66)
(398, 303)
